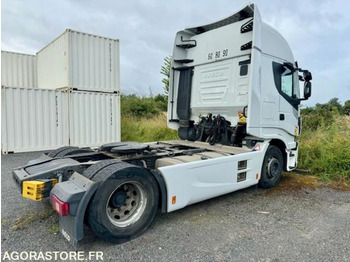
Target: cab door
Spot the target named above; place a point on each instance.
(287, 84)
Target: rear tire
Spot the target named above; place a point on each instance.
(125, 203)
(272, 167)
(53, 153)
(66, 151)
(94, 169)
(73, 151)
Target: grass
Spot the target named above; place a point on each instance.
(27, 219)
(5, 222)
(147, 129)
(53, 225)
(292, 181)
(325, 152)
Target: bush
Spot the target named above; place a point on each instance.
(139, 107)
(147, 130)
(314, 118)
(324, 141)
(162, 102)
(325, 148)
(144, 119)
(346, 108)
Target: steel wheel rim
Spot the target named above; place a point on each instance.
(126, 204)
(272, 168)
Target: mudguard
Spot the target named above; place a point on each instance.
(77, 192)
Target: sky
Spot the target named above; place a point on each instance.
(318, 32)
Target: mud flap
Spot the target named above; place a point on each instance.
(77, 192)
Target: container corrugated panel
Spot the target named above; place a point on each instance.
(18, 70)
(80, 61)
(94, 118)
(33, 119)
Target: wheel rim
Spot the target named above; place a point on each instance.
(126, 204)
(273, 167)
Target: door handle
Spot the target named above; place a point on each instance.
(281, 117)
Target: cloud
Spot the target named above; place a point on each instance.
(317, 31)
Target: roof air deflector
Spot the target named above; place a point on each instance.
(244, 13)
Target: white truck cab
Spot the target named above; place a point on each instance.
(237, 65)
(234, 99)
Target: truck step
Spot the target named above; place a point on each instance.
(183, 61)
(186, 46)
(247, 27)
(246, 46)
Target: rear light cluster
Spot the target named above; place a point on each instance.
(61, 207)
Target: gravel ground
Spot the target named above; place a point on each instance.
(249, 225)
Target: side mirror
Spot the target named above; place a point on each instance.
(307, 76)
(307, 90)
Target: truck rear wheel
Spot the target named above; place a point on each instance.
(54, 153)
(125, 203)
(67, 150)
(271, 171)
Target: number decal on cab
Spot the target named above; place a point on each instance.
(218, 54)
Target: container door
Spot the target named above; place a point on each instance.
(94, 118)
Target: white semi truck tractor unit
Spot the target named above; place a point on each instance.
(234, 99)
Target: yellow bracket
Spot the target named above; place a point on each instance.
(37, 190)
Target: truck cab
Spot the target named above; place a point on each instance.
(237, 66)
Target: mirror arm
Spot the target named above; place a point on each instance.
(290, 66)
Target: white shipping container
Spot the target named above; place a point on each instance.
(42, 119)
(33, 119)
(94, 118)
(80, 61)
(18, 70)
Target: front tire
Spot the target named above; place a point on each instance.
(125, 203)
(272, 167)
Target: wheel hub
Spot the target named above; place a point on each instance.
(126, 204)
(119, 198)
(272, 168)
